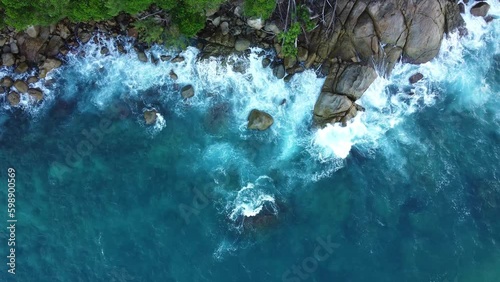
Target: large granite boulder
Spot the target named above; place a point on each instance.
(480, 9)
(259, 120)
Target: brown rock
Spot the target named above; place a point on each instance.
(31, 47)
(416, 77)
(178, 59)
(259, 120)
(7, 82)
(36, 93)
(21, 86)
(22, 68)
(331, 107)
(173, 75)
(32, 79)
(425, 32)
(84, 37)
(354, 80)
(49, 65)
(14, 49)
(290, 61)
(150, 116)
(187, 91)
(480, 9)
(55, 43)
(14, 98)
(302, 54)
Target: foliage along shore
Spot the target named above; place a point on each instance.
(346, 41)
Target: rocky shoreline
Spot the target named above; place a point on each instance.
(351, 44)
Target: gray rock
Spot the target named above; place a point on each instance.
(279, 71)
(32, 31)
(8, 59)
(150, 117)
(259, 120)
(3, 40)
(173, 75)
(257, 24)
(416, 77)
(241, 44)
(178, 59)
(187, 91)
(266, 62)
(272, 27)
(14, 98)
(165, 57)
(480, 9)
(224, 28)
(36, 93)
(142, 57)
(21, 86)
(14, 49)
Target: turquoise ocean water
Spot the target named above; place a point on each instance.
(409, 191)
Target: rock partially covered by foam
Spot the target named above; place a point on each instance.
(150, 117)
(259, 120)
(480, 9)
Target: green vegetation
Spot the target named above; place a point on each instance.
(259, 8)
(289, 38)
(301, 20)
(187, 15)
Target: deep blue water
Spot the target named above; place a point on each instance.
(409, 191)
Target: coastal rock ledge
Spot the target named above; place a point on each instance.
(374, 35)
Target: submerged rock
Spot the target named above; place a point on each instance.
(36, 93)
(415, 78)
(187, 91)
(14, 98)
(259, 120)
(150, 116)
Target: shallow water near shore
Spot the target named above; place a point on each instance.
(408, 191)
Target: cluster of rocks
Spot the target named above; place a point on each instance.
(349, 42)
